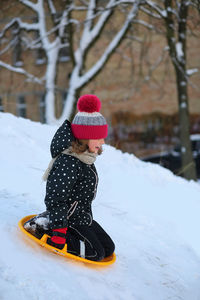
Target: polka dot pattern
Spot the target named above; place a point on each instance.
(62, 139)
(71, 185)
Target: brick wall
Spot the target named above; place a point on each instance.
(120, 86)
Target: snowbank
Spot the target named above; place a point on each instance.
(152, 215)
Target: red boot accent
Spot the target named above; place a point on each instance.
(59, 235)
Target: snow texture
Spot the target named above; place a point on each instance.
(92, 27)
(179, 50)
(183, 105)
(88, 36)
(190, 72)
(152, 215)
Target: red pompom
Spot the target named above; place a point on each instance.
(89, 103)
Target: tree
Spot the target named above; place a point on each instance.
(174, 16)
(63, 33)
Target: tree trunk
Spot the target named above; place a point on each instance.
(188, 166)
(77, 95)
(177, 51)
(51, 72)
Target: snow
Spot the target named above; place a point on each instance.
(195, 137)
(92, 28)
(190, 72)
(112, 45)
(21, 71)
(179, 51)
(183, 149)
(183, 105)
(89, 35)
(152, 215)
(164, 13)
(183, 83)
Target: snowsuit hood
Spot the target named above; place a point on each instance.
(62, 139)
(71, 183)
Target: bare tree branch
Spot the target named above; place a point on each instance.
(90, 35)
(154, 66)
(157, 8)
(23, 72)
(145, 24)
(113, 44)
(52, 7)
(150, 13)
(22, 25)
(30, 4)
(8, 46)
(95, 21)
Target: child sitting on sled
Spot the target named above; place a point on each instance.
(72, 183)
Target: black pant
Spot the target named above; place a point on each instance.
(91, 242)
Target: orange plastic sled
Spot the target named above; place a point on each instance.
(105, 262)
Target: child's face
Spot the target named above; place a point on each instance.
(95, 145)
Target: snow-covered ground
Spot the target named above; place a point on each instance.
(152, 215)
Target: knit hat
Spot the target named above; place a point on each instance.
(88, 123)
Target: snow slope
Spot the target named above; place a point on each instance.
(152, 215)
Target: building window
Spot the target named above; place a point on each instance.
(40, 56)
(1, 105)
(21, 107)
(64, 52)
(17, 46)
(40, 53)
(64, 95)
(42, 108)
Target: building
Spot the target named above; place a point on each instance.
(140, 105)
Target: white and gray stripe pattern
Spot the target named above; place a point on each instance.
(83, 118)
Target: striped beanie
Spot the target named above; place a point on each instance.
(88, 123)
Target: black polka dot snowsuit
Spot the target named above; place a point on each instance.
(71, 188)
(71, 185)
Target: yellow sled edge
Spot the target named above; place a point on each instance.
(42, 242)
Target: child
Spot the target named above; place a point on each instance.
(72, 183)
